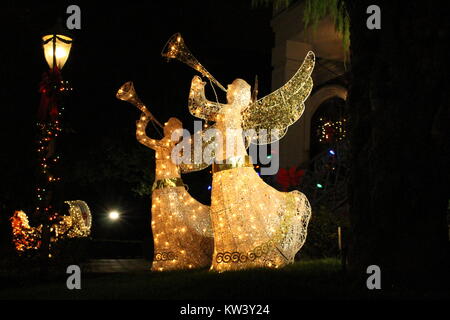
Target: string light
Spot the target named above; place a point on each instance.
(24, 236)
(331, 131)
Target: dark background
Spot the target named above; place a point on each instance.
(102, 162)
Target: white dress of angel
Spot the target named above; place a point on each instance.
(254, 225)
(181, 225)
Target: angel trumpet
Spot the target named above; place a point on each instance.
(127, 93)
(175, 48)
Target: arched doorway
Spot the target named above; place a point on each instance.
(328, 126)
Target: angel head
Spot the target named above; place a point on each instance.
(239, 93)
(171, 125)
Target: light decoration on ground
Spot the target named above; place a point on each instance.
(78, 223)
(254, 225)
(331, 131)
(75, 225)
(181, 225)
(25, 237)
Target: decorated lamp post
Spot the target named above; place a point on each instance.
(56, 46)
(54, 221)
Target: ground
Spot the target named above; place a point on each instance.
(131, 279)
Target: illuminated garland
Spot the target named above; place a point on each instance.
(49, 129)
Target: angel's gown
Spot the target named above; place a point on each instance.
(181, 225)
(254, 224)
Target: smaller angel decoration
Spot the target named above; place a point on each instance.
(181, 225)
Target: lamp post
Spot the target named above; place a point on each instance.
(56, 45)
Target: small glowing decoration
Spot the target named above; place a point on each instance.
(78, 223)
(331, 131)
(254, 224)
(181, 225)
(24, 236)
(57, 46)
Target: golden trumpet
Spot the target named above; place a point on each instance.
(175, 48)
(127, 93)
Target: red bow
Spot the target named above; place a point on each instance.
(49, 87)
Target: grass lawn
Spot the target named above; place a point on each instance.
(314, 279)
(307, 279)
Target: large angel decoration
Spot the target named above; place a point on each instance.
(181, 225)
(254, 225)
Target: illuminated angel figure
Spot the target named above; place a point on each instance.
(181, 225)
(254, 225)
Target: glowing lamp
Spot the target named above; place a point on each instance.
(56, 49)
(114, 215)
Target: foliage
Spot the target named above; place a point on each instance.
(115, 161)
(322, 239)
(316, 10)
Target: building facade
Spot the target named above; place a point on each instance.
(292, 42)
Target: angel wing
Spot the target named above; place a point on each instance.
(271, 116)
(199, 106)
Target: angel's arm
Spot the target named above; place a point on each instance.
(199, 106)
(141, 136)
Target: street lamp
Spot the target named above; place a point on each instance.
(56, 44)
(114, 215)
(56, 49)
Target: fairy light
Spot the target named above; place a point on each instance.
(75, 225)
(331, 131)
(24, 236)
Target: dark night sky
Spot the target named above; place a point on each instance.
(118, 43)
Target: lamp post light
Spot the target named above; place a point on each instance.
(114, 215)
(56, 49)
(56, 45)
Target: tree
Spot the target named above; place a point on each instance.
(398, 123)
(398, 114)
